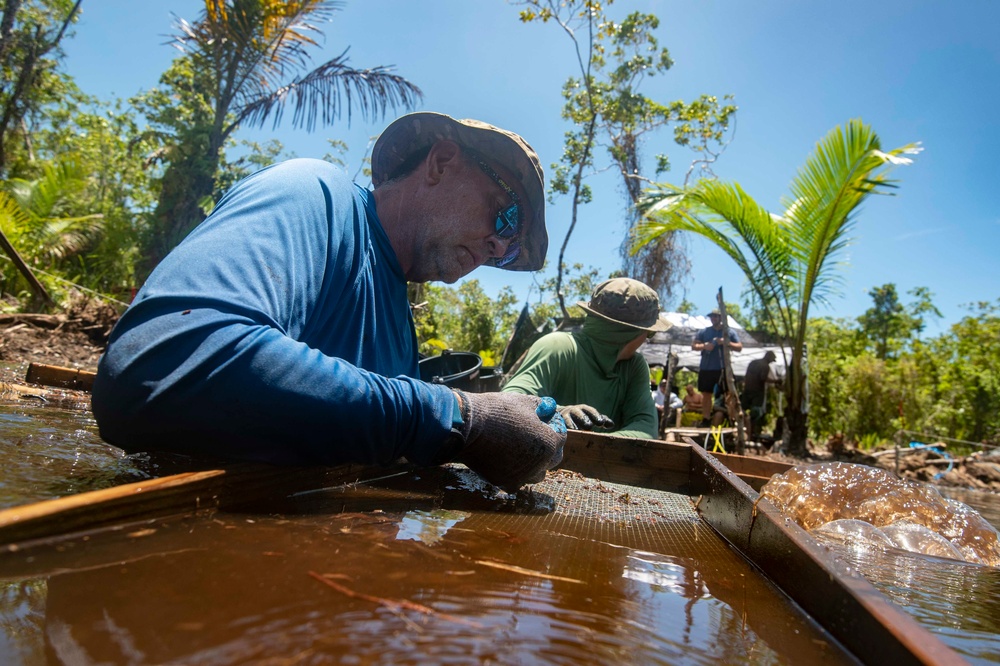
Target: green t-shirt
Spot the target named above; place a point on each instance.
(582, 368)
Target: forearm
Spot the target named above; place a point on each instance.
(224, 385)
(640, 426)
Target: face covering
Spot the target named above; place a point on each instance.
(606, 340)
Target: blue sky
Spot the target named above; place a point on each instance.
(916, 70)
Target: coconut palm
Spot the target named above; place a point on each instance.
(242, 63)
(790, 260)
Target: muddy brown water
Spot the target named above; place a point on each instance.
(414, 568)
(515, 584)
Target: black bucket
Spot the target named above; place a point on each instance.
(490, 379)
(455, 369)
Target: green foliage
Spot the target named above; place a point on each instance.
(87, 178)
(948, 386)
(687, 307)
(886, 324)
(462, 319)
(30, 35)
(969, 374)
(46, 232)
(577, 286)
(465, 318)
(790, 260)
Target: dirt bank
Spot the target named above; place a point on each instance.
(74, 338)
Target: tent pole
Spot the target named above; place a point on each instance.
(732, 400)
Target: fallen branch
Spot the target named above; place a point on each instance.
(393, 605)
(42, 320)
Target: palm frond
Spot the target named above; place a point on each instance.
(323, 94)
(845, 167)
(729, 218)
(13, 218)
(32, 209)
(69, 237)
(252, 45)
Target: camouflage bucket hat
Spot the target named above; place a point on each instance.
(627, 302)
(416, 131)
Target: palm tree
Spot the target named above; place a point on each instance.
(790, 260)
(237, 61)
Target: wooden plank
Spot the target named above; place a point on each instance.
(53, 375)
(646, 463)
(752, 465)
(175, 495)
(754, 472)
(19, 391)
(842, 601)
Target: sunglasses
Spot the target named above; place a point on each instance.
(508, 222)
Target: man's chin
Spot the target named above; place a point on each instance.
(453, 275)
(456, 278)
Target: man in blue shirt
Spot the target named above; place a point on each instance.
(279, 329)
(709, 342)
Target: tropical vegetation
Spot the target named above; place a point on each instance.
(790, 259)
(93, 191)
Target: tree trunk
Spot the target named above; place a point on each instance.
(178, 210)
(796, 419)
(796, 432)
(40, 293)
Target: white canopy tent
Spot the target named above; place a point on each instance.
(678, 338)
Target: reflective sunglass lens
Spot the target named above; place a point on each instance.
(507, 222)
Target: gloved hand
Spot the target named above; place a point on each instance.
(506, 441)
(584, 417)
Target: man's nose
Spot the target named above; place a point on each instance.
(498, 246)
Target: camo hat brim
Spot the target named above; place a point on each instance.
(417, 131)
(627, 302)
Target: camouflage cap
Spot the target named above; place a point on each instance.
(627, 302)
(416, 131)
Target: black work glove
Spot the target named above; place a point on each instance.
(507, 442)
(584, 417)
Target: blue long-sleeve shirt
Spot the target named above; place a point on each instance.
(278, 330)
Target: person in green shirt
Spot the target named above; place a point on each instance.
(596, 374)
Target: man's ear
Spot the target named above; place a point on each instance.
(443, 155)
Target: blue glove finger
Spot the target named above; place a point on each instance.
(548, 413)
(546, 408)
